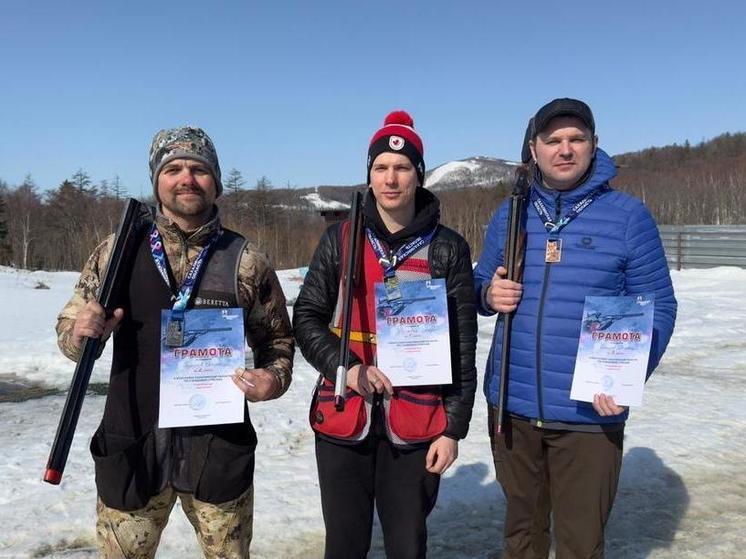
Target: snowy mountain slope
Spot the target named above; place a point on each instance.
(465, 173)
(474, 171)
(319, 203)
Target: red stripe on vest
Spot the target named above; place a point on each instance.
(363, 317)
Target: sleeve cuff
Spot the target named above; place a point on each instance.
(487, 310)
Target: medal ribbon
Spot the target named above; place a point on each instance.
(187, 286)
(390, 263)
(554, 228)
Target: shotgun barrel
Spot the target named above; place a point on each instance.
(134, 215)
(513, 264)
(349, 279)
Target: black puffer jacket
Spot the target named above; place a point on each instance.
(449, 258)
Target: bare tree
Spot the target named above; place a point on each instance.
(24, 207)
(117, 190)
(260, 211)
(5, 249)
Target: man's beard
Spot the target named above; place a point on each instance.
(191, 207)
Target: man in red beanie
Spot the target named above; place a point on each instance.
(366, 456)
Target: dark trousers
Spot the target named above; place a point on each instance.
(570, 474)
(352, 477)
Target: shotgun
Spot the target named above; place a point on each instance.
(514, 253)
(135, 215)
(349, 279)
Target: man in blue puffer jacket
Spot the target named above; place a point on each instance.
(582, 238)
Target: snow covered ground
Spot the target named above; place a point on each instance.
(682, 492)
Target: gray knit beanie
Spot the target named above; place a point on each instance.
(184, 142)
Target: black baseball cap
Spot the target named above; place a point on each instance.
(563, 107)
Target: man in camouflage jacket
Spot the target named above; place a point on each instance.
(140, 468)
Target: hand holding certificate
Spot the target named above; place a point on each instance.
(257, 384)
(613, 349)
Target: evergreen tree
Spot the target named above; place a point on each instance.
(82, 181)
(233, 185)
(73, 212)
(234, 182)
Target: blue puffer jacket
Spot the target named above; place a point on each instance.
(611, 248)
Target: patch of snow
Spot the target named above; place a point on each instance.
(320, 204)
(682, 492)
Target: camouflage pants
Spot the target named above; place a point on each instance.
(223, 531)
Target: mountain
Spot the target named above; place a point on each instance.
(317, 202)
(465, 173)
(471, 172)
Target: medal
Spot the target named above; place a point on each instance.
(175, 332)
(389, 262)
(553, 251)
(175, 324)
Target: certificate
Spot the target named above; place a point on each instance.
(196, 385)
(413, 343)
(614, 347)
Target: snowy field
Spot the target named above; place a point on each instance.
(682, 492)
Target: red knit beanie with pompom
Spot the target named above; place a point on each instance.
(398, 136)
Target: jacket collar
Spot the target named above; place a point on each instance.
(426, 217)
(171, 232)
(601, 172)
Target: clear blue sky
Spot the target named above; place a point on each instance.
(294, 90)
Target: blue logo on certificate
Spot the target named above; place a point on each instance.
(197, 402)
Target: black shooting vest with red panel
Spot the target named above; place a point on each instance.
(414, 414)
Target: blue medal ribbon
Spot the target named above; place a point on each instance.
(190, 280)
(389, 262)
(554, 228)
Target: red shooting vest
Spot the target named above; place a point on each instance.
(413, 414)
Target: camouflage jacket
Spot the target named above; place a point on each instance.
(267, 325)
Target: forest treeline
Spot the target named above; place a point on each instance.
(689, 184)
(58, 228)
